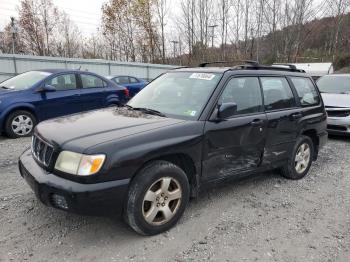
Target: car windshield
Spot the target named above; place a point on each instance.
(334, 84)
(24, 81)
(177, 94)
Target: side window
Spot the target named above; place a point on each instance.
(306, 90)
(277, 93)
(133, 80)
(90, 81)
(63, 82)
(121, 80)
(245, 92)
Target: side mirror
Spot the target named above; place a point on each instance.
(226, 110)
(47, 88)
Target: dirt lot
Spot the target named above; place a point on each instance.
(263, 218)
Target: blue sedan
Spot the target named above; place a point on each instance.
(35, 96)
(133, 84)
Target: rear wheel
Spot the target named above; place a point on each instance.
(301, 159)
(157, 198)
(20, 123)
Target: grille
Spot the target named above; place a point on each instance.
(338, 113)
(338, 128)
(42, 151)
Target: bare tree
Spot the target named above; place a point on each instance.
(162, 8)
(337, 9)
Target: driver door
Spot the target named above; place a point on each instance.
(63, 101)
(236, 144)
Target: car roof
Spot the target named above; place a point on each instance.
(337, 75)
(63, 70)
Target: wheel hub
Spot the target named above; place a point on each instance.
(162, 201)
(22, 125)
(302, 158)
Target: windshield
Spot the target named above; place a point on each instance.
(24, 81)
(334, 84)
(178, 94)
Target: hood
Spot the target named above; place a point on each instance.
(336, 100)
(4, 92)
(81, 131)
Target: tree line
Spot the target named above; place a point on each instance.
(200, 30)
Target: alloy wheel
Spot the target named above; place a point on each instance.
(161, 201)
(302, 158)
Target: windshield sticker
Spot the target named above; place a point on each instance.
(202, 76)
(191, 113)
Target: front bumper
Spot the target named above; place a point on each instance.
(88, 199)
(338, 125)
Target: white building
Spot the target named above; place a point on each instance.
(316, 70)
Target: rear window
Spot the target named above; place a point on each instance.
(306, 90)
(277, 93)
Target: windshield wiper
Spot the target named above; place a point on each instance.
(4, 87)
(147, 110)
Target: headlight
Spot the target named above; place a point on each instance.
(79, 164)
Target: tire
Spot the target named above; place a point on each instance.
(294, 171)
(25, 120)
(148, 217)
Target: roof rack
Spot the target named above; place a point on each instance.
(212, 63)
(250, 62)
(277, 67)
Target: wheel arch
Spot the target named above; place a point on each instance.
(186, 163)
(312, 134)
(28, 108)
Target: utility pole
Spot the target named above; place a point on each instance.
(212, 34)
(13, 31)
(174, 43)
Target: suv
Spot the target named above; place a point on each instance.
(187, 130)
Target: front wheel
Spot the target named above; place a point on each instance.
(301, 159)
(157, 198)
(20, 123)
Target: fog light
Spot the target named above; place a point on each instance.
(59, 201)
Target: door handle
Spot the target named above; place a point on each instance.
(296, 116)
(257, 122)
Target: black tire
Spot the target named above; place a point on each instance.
(141, 184)
(289, 170)
(9, 130)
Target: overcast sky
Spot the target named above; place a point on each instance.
(85, 13)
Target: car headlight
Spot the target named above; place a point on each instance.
(79, 164)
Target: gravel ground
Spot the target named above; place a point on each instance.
(263, 218)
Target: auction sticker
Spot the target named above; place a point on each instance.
(202, 76)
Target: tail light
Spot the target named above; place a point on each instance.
(126, 92)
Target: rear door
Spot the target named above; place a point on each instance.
(64, 101)
(93, 92)
(283, 116)
(236, 144)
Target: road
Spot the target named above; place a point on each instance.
(262, 218)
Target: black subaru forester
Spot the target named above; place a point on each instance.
(187, 130)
